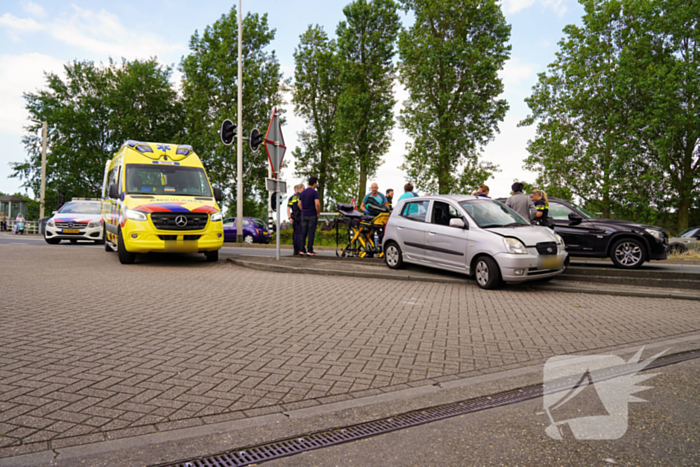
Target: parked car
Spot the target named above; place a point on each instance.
(688, 240)
(475, 236)
(80, 219)
(628, 244)
(254, 230)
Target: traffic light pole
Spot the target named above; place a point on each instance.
(239, 184)
(277, 229)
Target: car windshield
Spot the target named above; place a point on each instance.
(488, 213)
(587, 213)
(166, 180)
(689, 233)
(81, 208)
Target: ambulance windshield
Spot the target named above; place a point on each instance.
(160, 179)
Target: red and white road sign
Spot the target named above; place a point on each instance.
(274, 143)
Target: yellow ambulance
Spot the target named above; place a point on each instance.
(157, 198)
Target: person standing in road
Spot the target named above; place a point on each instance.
(390, 198)
(521, 203)
(482, 192)
(310, 207)
(294, 216)
(541, 202)
(375, 198)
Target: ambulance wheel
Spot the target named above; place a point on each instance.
(124, 256)
(212, 256)
(53, 241)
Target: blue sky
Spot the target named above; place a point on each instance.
(38, 36)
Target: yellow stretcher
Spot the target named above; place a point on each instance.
(361, 232)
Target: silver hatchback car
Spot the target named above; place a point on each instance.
(475, 236)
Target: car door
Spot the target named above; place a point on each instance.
(445, 246)
(229, 230)
(579, 237)
(411, 227)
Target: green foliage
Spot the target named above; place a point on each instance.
(552, 191)
(315, 93)
(90, 114)
(210, 94)
(366, 48)
(450, 59)
(617, 111)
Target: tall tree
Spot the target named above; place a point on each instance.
(90, 113)
(366, 44)
(450, 59)
(209, 88)
(661, 64)
(315, 93)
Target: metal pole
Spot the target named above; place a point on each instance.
(239, 184)
(44, 137)
(270, 218)
(277, 255)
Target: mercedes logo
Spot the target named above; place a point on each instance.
(549, 249)
(181, 221)
(70, 225)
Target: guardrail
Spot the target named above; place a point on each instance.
(31, 227)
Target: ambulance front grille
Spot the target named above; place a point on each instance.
(174, 220)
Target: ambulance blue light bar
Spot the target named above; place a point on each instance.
(184, 150)
(139, 146)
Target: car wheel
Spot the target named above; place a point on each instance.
(393, 256)
(73, 241)
(628, 253)
(124, 256)
(249, 239)
(212, 256)
(52, 241)
(487, 273)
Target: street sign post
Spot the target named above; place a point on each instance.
(276, 186)
(274, 144)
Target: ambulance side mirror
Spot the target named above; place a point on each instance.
(113, 191)
(217, 194)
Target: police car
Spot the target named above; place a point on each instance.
(79, 219)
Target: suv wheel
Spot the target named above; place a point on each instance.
(627, 253)
(393, 256)
(487, 273)
(124, 256)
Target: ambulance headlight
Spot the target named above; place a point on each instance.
(215, 217)
(135, 215)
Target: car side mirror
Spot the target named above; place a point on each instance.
(53, 213)
(459, 223)
(113, 191)
(217, 194)
(575, 218)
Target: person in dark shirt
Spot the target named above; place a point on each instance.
(539, 197)
(390, 198)
(310, 210)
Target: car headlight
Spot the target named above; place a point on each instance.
(657, 234)
(514, 246)
(51, 223)
(561, 245)
(93, 224)
(135, 215)
(215, 217)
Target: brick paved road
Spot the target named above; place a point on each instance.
(92, 350)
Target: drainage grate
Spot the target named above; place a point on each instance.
(291, 446)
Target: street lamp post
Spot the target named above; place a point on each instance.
(44, 138)
(239, 184)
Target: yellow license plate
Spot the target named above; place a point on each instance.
(550, 263)
(71, 231)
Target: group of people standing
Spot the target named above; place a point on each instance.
(533, 208)
(303, 210)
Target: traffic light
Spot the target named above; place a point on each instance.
(228, 132)
(256, 139)
(273, 201)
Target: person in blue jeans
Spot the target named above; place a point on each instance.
(310, 210)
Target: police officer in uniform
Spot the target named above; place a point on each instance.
(294, 215)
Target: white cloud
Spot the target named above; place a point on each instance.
(559, 6)
(20, 74)
(515, 71)
(34, 9)
(514, 6)
(15, 24)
